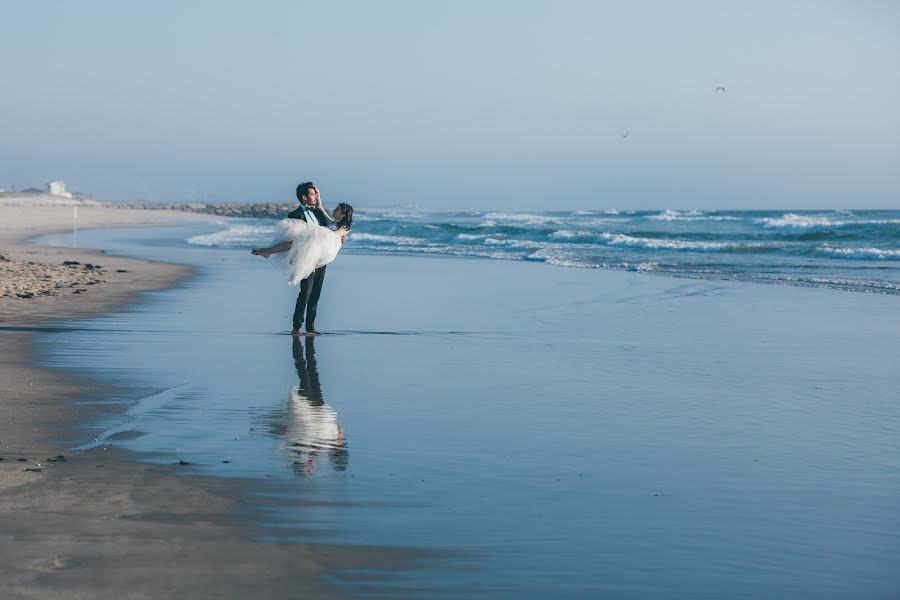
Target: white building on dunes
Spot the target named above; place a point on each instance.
(58, 188)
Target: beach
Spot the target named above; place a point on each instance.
(99, 524)
(31, 396)
(529, 429)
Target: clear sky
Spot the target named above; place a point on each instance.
(482, 104)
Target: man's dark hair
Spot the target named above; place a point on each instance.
(303, 188)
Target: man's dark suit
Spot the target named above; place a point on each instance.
(311, 287)
(309, 387)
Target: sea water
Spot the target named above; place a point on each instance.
(853, 250)
(542, 430)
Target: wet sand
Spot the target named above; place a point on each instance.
(96, 524)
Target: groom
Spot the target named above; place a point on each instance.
(310, 211)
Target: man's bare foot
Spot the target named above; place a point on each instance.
(312, 332)
(296, 332)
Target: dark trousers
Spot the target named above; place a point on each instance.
(308, 299)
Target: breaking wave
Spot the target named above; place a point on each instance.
(235, 236)
(861, 253)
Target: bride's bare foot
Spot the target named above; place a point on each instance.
(260, 252)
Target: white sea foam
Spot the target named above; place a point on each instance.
(875, 285)
(588, 213)
(620, 239)
(809, 221)
(451, 250)
(513, 243)
(470, 236)
(646, 266)
(673, 215)
(691, 215)
(390, 214)
(237, 235)
(560, 259)
(567, 234)
(862, 253)
(841, 283)
(523, 218)
(387, 239)
(600, 221)
(801, 221)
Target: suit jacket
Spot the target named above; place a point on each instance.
(298, 214)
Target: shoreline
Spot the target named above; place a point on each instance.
(31, 396)
(99, 524)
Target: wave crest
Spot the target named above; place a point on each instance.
(236, 235)
(861, 253)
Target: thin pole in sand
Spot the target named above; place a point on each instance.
(75, 227)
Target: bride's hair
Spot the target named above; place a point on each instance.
(346, 215)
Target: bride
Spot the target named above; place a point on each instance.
(309, 246)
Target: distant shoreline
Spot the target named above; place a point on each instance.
(265, 210)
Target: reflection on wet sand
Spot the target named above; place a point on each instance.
(311, 426)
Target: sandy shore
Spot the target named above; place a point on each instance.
(94, 524)
(36, 287)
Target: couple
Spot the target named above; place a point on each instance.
(309, 238)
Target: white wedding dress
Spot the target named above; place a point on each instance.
(313, 246)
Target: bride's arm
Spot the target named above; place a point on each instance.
(321, 207)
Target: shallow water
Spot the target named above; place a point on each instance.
(555, 431)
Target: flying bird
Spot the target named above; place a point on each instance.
(625, 135)
(720, 89)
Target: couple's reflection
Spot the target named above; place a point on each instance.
(311, 427)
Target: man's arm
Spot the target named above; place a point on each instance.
(266, 252)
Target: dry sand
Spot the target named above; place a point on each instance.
(95, 524)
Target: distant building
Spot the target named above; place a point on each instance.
(58, 188)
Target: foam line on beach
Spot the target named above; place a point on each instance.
(148, 402)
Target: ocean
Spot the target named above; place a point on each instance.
(843, 249)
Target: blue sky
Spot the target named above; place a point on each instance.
(464, 104)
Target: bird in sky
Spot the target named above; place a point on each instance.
(625, 135)
(720, 89)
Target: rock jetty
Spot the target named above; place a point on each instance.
(260, 210)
